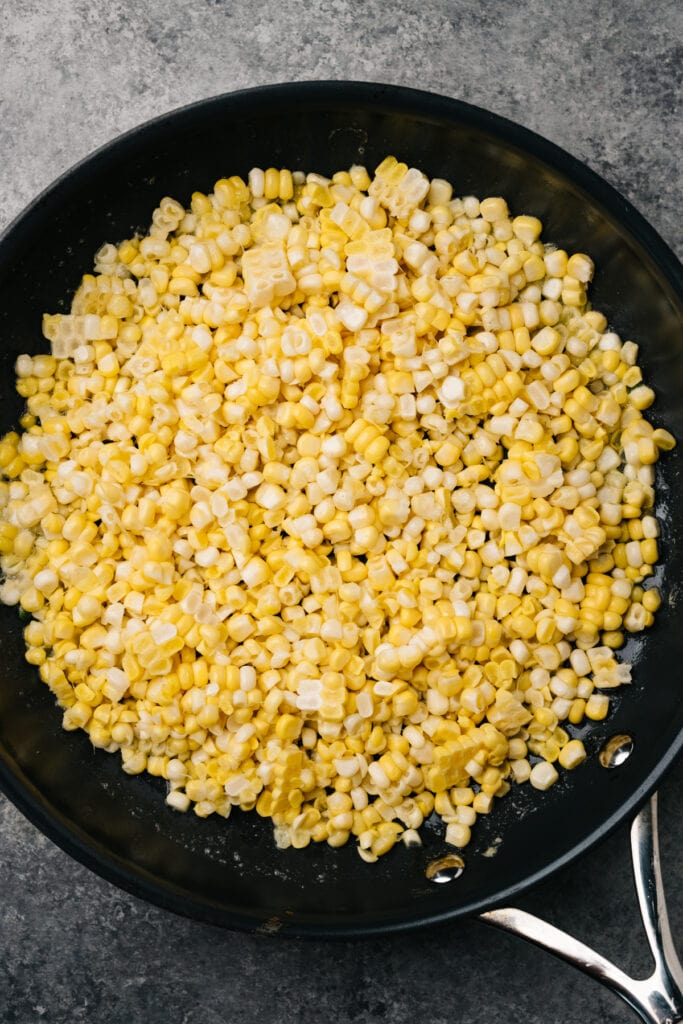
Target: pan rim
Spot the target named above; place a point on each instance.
(419, 101)
(341, 93)
(170, 897)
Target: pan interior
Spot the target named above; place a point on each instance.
(230, 872)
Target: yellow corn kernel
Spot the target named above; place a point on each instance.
(664, 440)
(651, 599)
(641, 397)
(526, 228)
(572, 754)
(649, 552)
(577, 711)
(597, 707)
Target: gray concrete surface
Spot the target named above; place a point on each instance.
(604, 81)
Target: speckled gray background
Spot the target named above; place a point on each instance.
(602, 80)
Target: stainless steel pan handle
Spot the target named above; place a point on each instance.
(657, 999)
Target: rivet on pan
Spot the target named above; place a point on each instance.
(616, 751)
(445, 869)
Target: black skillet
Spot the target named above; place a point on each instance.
(230, 873)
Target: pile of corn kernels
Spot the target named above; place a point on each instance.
(333, 501)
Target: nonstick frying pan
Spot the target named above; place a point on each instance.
(230, 873)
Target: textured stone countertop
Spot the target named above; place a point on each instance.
(603, 81)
